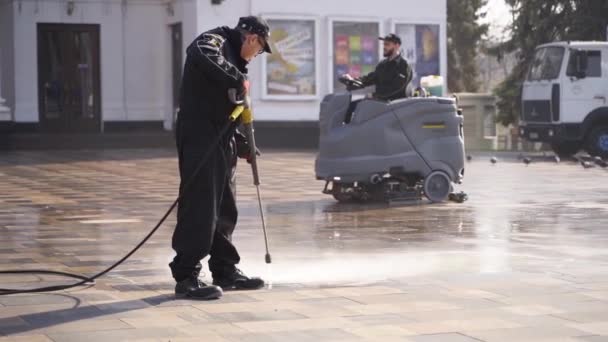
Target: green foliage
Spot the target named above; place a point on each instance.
(464, 34)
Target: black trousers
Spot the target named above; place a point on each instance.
(350, 111)
(206, 213)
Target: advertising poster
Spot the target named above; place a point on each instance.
(420, 45)
(356, 49)
(291, 68)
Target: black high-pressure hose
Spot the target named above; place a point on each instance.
(91, 280)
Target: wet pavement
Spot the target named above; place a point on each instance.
(525, 259)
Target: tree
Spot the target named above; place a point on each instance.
(464, 34)
(537, 22)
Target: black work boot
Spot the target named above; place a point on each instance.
(193, 288)
(234, 279)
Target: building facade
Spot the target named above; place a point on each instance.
(102, 65)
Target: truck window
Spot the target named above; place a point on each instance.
(547, 63)
(594, 64)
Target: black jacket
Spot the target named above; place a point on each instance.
(391, 78)
(213, 65)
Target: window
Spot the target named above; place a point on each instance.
(546, 64)
(594, 64)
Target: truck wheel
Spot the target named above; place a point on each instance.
(566, 149)
(597, 142)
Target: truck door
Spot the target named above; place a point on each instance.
(584, 93)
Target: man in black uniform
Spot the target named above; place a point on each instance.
(392, 74)
(215, 62)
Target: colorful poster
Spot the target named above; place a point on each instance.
(291, 68)
(356, 49)
(342, 53)
(420, 45)
(368, 43)
(368, 57)
(355, 43)
(355, 58)
(355, 70)
(341, 69)
(427, 49)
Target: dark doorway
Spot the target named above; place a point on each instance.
(68, 78)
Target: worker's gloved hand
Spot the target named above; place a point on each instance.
(257, 153)
(247, 155)
(346, 77)
(350, 83)
(243, 149)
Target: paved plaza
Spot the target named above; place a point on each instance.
(525, 259)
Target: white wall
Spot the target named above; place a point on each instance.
(111, 62)
(227, 14)
(26, 92)
(141, 50)
(145, 46)
(210, 16)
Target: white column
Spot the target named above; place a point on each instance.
(5, 112)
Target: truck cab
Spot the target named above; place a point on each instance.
(565, 98)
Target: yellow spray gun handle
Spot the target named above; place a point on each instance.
(238, 110)
(243, 111)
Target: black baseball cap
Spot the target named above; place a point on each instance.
(256, 25)
(391, 37)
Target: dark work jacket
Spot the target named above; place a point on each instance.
(213, 65)
(391, 78)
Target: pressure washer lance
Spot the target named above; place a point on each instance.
(243, 109)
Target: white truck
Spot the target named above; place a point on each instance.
(565, 98)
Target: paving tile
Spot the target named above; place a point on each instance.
(162, 320)
(165, 333)
(370, 320)
(234, 317)
(526, 333)
(593, 338)
(593, 328)
(532, 310)
(379, 331)
(584, 316)
(448, 337)
(298, 336)
(297, 324)
(29, 338)
(77, 326)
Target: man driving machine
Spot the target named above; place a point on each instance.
(392, 74)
